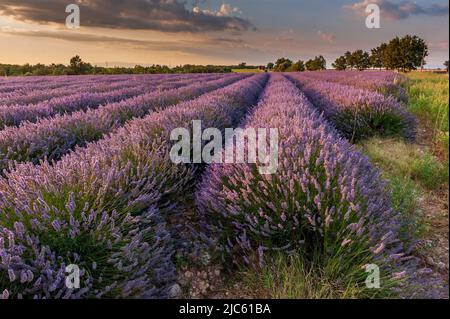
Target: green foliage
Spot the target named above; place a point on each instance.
(428, 98)
(340, 63)
(78, 66)
(368, 123)
(298, 66)
(403, 54)
(376, 57)
(429, 171)
(399, 163)
(403, 160)
(361, 59)
(316, 64)
(405, 195)
(290, 277)
(282, 65)
(358, 59)
(349, 59)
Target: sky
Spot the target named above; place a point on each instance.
(175, 32)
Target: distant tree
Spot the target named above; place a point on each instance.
(416, 51)
(340, 63)
(298, 66)
(242, 64)
(360, 60)
(376, 56)
(349, 60)
(446, 65)
(4, 70)
(405, 54)
(282, 64)
(270, 65)
(77, 66)
(318, 63)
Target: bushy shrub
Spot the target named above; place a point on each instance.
(357, 113)
(51, 138)
(119, 255)
(325, 202)
(385, 82)
(107, 204)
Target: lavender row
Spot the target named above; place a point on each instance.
(5, 81)
(25, 96)
(24, 88)
(14, 115)
(325, 201)
(50, 138)
(26, 84)
(357, 113)
(98, 207)
(384, 82)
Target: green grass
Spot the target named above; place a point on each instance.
(411, 172)
(428, 97)
(288, 277)
(405, 195)
(399, 159)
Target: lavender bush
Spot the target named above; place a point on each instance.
(325, 202)
(29, 93)
(119, 255)
(24, 91)
(384, 82)
(357, 113)
(50, 138)
(13, 115)
(103, 207)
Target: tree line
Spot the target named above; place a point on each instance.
(287, 65)
(402, 54)
(77, 66)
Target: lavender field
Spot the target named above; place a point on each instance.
(87, 180)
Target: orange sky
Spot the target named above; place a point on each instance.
(253, 31)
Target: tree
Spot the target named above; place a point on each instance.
(318, 63)
(77, 66)
(377, 56)
(360, 60)
(446, 65)
(270, 65)
(405, 54)
(349, 59)
(282, 64)
(415, 50)
(298, 66)
(340, 63)
(242, 64)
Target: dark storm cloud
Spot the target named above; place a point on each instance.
(161, 15)
(401, 10)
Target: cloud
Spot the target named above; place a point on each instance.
(439, 46)
(198, 46)
(400, 10)
(327, 37)
(225, 10)
(160, 15)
